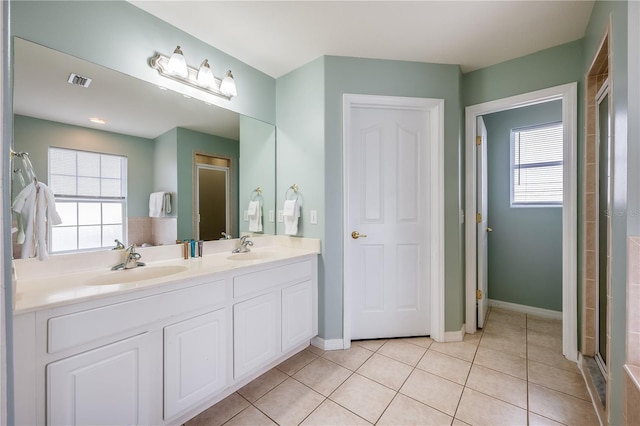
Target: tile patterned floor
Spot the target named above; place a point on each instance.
(510, 373)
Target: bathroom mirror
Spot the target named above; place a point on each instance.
(158, 131)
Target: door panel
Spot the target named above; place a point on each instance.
(386, 173)
(482, 229)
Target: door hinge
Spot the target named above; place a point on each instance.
(478, 294)
(478, 218)
(478, 140)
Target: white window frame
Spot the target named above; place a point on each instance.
(71, 198)
(513, 204)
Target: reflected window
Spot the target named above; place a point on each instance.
(91, 198)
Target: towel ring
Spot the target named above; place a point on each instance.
(293, 190)
(256, 195)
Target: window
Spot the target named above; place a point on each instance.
(536, 166)
(91, 198)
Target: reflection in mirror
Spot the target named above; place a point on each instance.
(158, 131)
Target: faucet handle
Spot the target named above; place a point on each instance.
(119, 245)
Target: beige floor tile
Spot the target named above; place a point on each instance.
(221, 412)
(432, 390)
(502, 362)
(372, 345)
(540, 338)
(406, 411)
(263, 384)
(477, 408)
(565, 381)
(297, 362)
(549, 356)
(462, 350)
(315, 350)
(402, 351)
(289, 403)
(506, 329)
(385, 371)
(330, 413)
(458, 422)
(538, 420)
(364, 397)
(504, 344)
(561, 407)
(445, 366)
(251, 416)
(322, 375)
(425, 342)
(498, 385)
(473, 339)
(516, 319)
(351, 358)
(545, 325)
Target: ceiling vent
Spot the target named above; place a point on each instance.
(78, 80)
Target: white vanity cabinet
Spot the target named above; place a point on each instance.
(162, 354)
(195, 365)
(104, 386)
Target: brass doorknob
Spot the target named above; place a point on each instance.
(355, 235)
(489, 229)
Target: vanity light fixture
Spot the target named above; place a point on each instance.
(201, 78)
(177, 64)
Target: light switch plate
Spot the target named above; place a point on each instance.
(280, 216)
(246, 215)
(271, 216)
(313, 217)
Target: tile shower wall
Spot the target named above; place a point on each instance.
(156, 231)
(632, 367)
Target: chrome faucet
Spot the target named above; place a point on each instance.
(244, 245)
(119, 245)
(225, 236)
(131, 259)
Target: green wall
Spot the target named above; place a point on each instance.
(525, 247)
(35, 136)
(165, 177)
(625, 159)
(189, 142)
(258, 164)
(118, 35)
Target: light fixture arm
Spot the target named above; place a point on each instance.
(159, 62)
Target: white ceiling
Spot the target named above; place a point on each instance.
(277, 37)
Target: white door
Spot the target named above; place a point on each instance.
(481, 220)
(212, 201)
(387, 219)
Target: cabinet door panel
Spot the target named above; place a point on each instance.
(105, 386)
(256, 333)
(297, 315)
(194, 361)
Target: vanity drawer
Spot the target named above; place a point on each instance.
(79, 328)
(267, 278)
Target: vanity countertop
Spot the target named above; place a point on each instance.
(68, 279)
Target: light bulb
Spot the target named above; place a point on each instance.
(177, 64)
(228, 85)
(205, 75)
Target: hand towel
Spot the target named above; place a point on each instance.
(254, 211)
(157, 204)
(290, 213)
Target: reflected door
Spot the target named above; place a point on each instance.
(212, 183)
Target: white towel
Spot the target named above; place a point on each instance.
(36, 206)
(291, 213)
(254, 211)
(159, 204)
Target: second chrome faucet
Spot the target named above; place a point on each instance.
(245, 245)
(131, 259)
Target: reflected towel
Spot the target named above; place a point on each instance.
(159, 204)
(254, 211)
(291, 213)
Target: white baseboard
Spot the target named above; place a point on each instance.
(541, 312)
(328, 344)
(454, 336)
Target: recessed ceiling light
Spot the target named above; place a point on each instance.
(97, 120)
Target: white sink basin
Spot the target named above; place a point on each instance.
(140, 273)
(252, 255)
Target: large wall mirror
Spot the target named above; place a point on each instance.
(165, 139)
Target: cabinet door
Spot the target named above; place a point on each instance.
(105, 386)
(194, 361)
(256, 333)
(297, 315)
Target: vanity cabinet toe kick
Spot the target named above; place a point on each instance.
(163, 357)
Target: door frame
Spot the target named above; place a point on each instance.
(196, 198)
(567, 93)
(435, 109)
